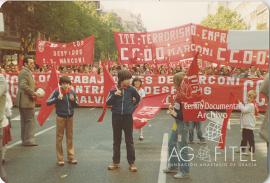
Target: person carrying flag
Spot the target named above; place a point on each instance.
(65, 100)
(123, 100)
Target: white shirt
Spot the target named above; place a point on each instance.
(247, 118)
(141, 92)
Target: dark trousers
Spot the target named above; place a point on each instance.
(125, 123)
(247, 137)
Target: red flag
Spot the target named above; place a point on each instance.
(191, 94)
(222, 139)
(46, 110)
(148, 107)
(108, 85)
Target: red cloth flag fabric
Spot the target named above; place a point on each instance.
(148, 107)
(46, 110)
(191, 94)
(222, 139)
(108, 85)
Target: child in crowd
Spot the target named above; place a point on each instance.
(123, 100)
(137, 83)
(248, 121)
(65, 100)
(179, 137)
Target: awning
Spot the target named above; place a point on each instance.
(9, 45)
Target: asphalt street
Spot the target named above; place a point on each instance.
(93, 149)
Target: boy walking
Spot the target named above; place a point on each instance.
(123, 100)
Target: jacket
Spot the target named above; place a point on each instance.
(65, 107)
(26, 89)
(123, 104)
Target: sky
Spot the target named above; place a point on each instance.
(161, 14)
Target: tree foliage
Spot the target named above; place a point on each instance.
(225, 19)
(64, 22)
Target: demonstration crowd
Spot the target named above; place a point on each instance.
(145, 69)
(123, 99)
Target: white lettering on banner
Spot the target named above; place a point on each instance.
(76, 60)
(65, 53)
(232, 56)
(126, 38)
(168, 36)
(134, 52)
(148, 80)
(86, 89)
(159, 89)
(165, 79)
(78, 43)
(123, 56)
(219, 50)
(221, 80)
(249, 84)
(148, 54)
(43, 78)
(261, 57)
(247, 57)
(84, 79)
(214, 35)
(90, 88)
(160, 53)
(90, 99)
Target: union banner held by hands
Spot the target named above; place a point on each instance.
(73, 53)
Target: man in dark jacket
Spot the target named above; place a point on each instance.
(65, 100)
(123, 100)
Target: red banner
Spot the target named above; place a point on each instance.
(74, 53)
(89, 88)
(183, 42)
(147, 109)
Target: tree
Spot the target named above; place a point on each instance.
(225, 19)
(64, 22)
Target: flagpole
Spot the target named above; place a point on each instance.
(54, 66)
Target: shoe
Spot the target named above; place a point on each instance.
(237, 151)
(30, 145)
(190, 142)
(141, 138)
(133, 168)
(202, 141)
(74, 162)
(113, 166)
(60, 163)
(181, 175)
(4, 179)
(247, 154)
(170, 170)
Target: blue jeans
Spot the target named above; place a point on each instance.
(179, 145)
(198, 126)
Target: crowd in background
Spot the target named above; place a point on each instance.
(144, 69)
